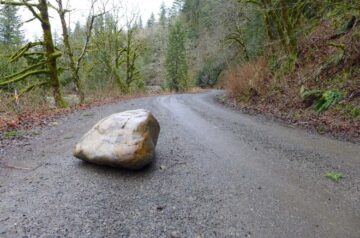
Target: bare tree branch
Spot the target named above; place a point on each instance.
(16, 3)
(88, 33)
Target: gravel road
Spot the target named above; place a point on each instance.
(217, 173)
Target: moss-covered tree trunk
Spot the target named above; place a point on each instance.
(114, 73)
(130, 58)
(288, 29)
(40, 12)
(74, 70)
(70, 54)
(267, 17)
(51, 55)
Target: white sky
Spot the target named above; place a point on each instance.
(80, 11)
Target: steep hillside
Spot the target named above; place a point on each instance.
(322, 91)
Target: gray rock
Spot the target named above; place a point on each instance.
(154, 89)
(125, 140)
(71, 100)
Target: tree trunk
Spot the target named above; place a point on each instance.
(131, 56)
(50, 53)
(267, 9)
(113, 70)
(128, 52)
(69, 52)
(288, 30)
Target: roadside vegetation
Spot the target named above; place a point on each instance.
(296, 60)
(112, 55)
(301, 65)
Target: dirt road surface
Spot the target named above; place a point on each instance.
(217, 173)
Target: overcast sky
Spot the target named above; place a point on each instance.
(81, 10)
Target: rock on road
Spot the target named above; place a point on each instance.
(217, 173)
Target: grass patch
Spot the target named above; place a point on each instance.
(334, 176)
(12, 134)
(88, 114)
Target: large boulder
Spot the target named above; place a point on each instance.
(125, 140)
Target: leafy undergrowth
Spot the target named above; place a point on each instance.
(322, 92)
(328, 123)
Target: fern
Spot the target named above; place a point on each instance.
(307, 94)
(321, 100)
(327, 100)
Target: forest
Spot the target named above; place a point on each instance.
(297, 60)
(180, 118)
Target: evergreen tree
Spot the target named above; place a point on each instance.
(177, 7)
(163, 22)
(162, 15)
(191, 10)
(176, 65)
(77, 29)
(151, 21)
(10, 23)
(140, 24)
